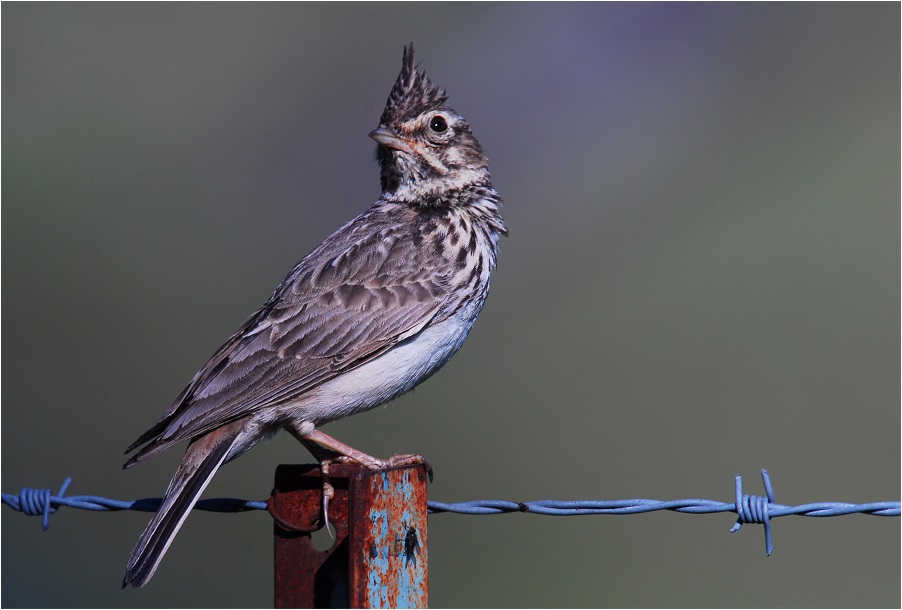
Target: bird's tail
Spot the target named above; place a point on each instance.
(202, 459)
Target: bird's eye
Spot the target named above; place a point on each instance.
(438, 124)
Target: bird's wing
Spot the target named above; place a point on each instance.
(367, 287)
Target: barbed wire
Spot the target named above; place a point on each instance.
(749, 508)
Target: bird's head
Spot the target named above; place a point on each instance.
(425, 148)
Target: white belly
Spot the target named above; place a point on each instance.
(381, 380)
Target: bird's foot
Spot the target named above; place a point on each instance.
(326, 448)
(330, 450)
(328, 494)
(394, 461)
(369, 462)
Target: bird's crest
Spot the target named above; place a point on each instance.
(412, 94)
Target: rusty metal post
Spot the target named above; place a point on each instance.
(378, 558)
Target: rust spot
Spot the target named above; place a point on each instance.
(379, 557)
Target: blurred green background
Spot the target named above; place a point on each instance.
(701, 279)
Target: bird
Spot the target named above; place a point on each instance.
(374, 310)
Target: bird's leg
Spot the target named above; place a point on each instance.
(340, 450)
(328, 494)
(325, 457)
(319, 452)
(327, 448)
(348, 453)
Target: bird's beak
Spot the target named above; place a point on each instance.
(389, 139)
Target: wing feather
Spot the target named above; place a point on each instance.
(368, 286)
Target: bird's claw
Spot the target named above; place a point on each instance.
(369, 462)
(409, 460)
(394, 461)
(328, 494)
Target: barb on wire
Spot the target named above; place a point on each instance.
(755, 509)
(34, 502)
(749, 509)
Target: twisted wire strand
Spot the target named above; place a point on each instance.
(749, 508)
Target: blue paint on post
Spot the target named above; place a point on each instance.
(396, 560)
